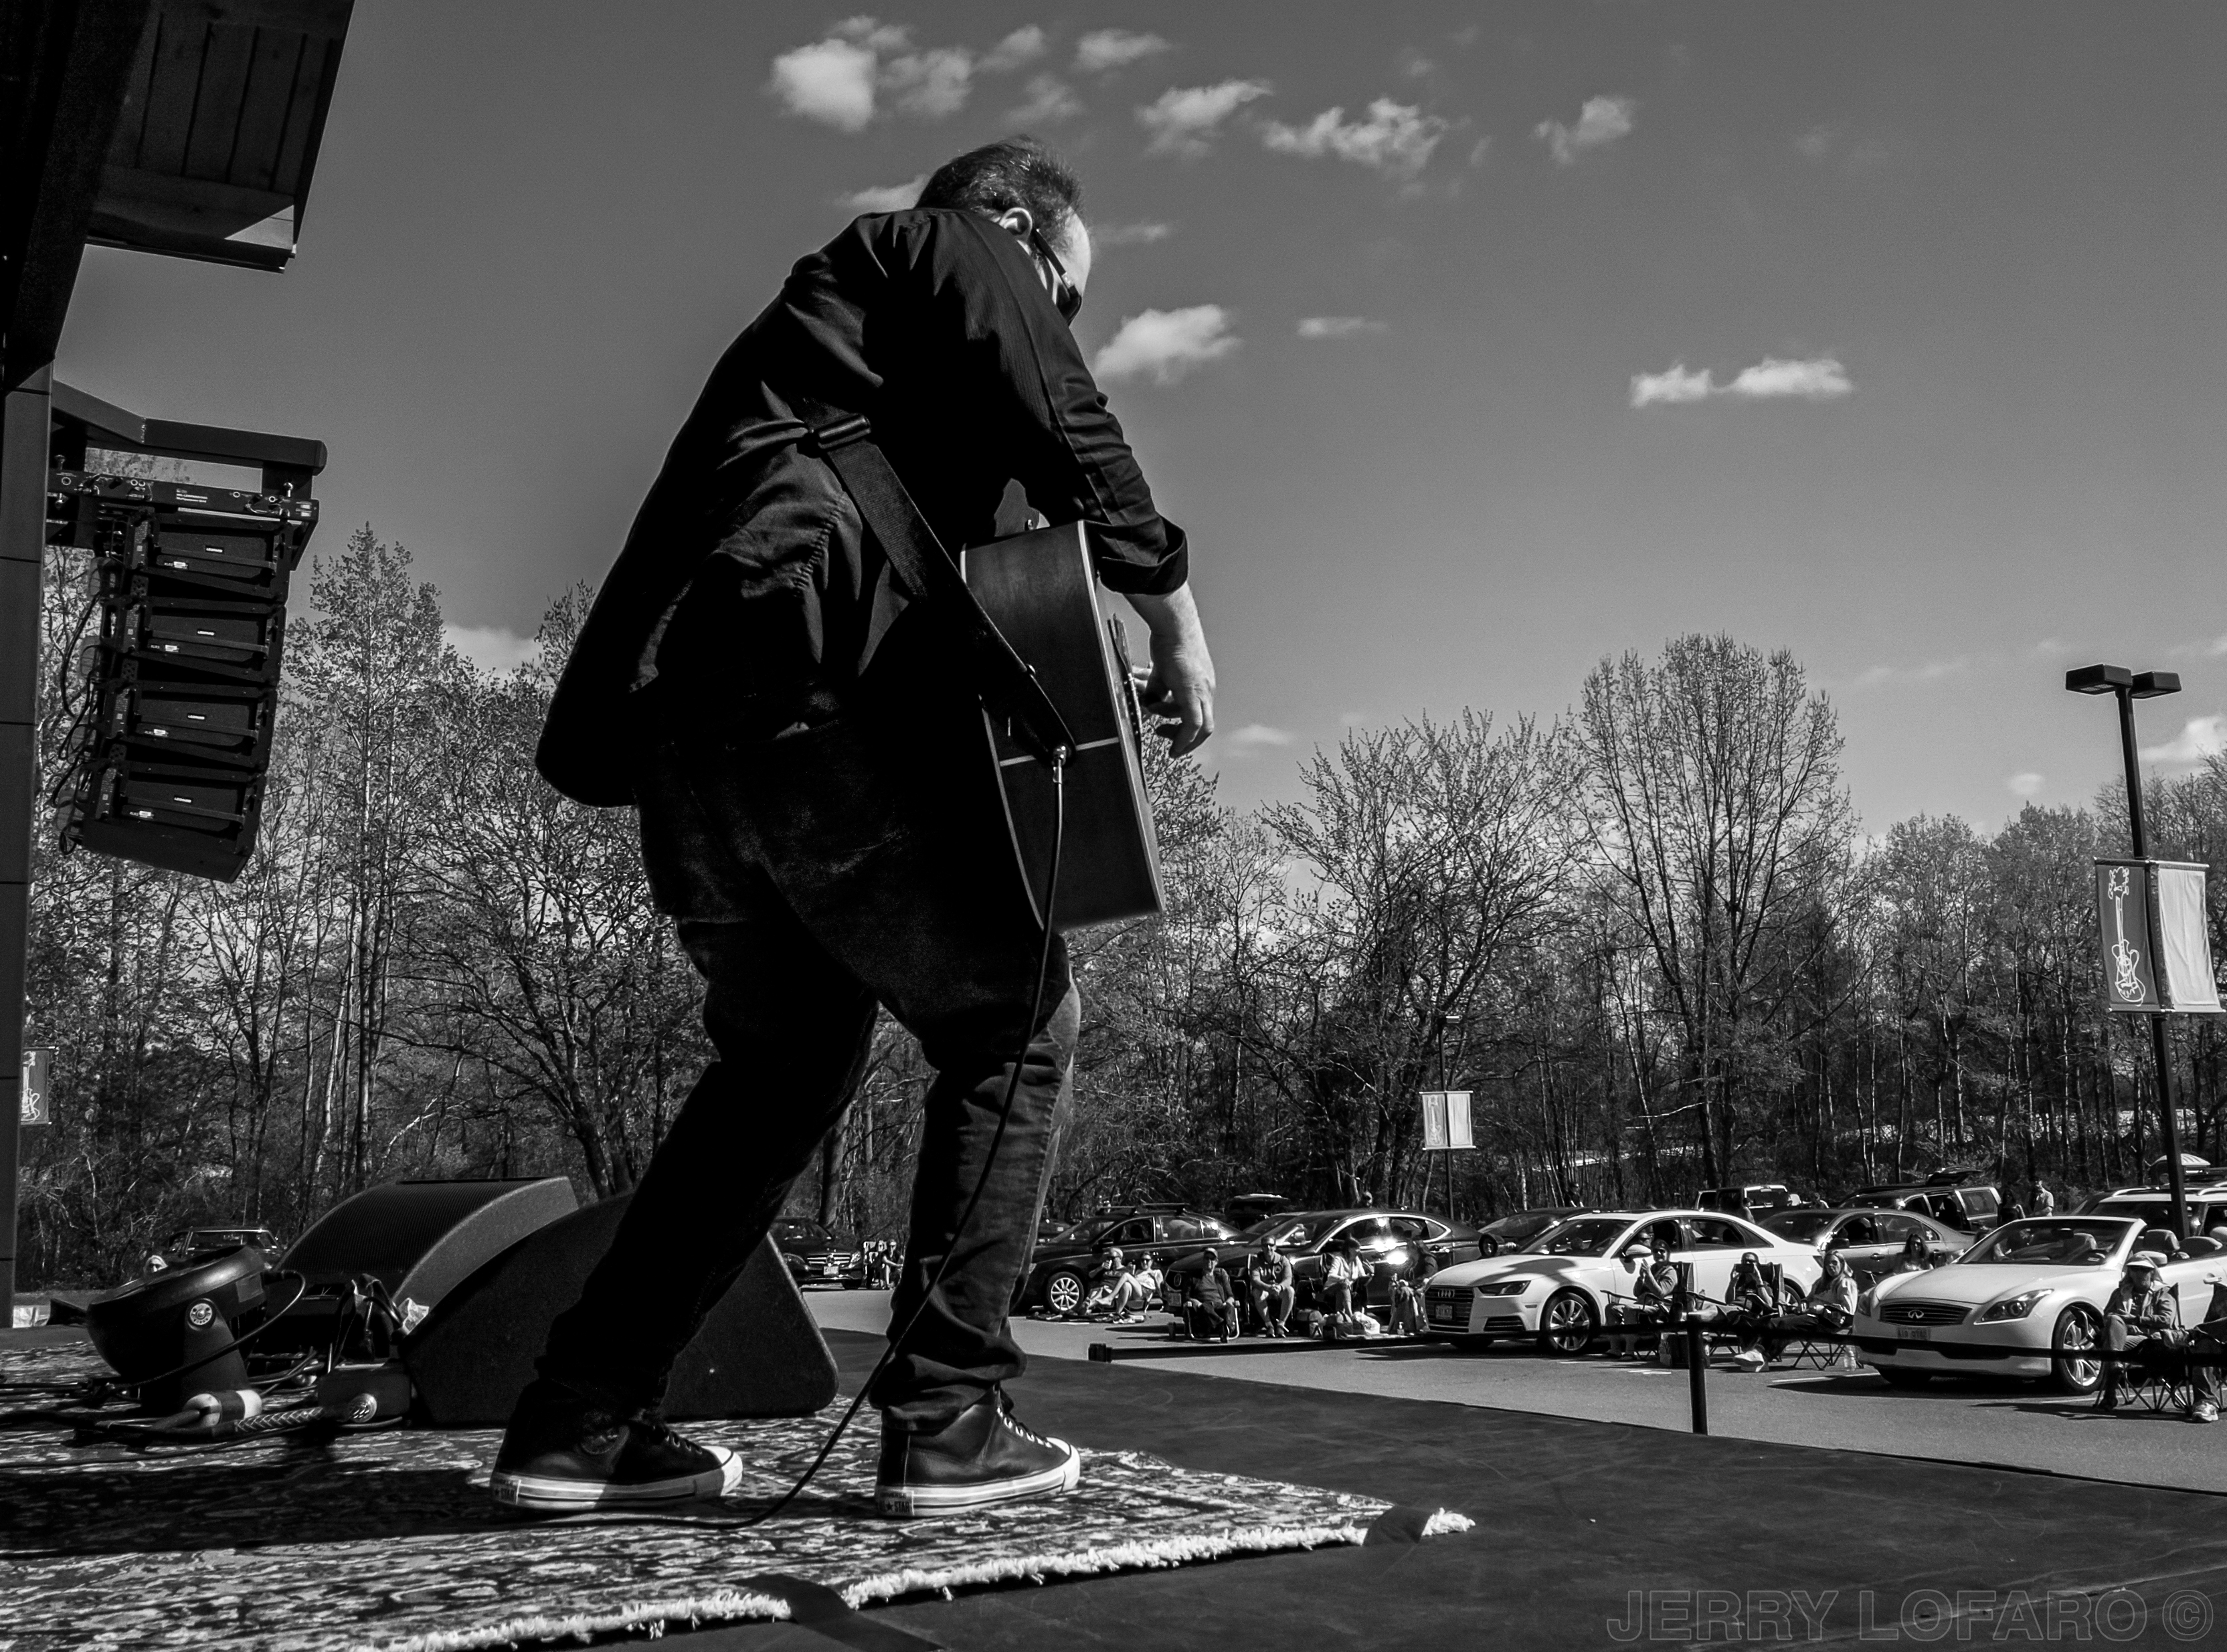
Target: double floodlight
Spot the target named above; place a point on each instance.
(2117, 680)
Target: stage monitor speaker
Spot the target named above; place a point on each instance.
(422, 1239)
(758, 1355)
(183, 1317)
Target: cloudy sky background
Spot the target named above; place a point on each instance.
(1470, 343)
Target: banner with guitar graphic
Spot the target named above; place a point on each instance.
(2154, 928)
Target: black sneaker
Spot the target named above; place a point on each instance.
(564, 1453)
(983, 1456)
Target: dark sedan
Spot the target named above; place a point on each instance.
(1059, 1272)
(1393, 1245)
(808, 1250)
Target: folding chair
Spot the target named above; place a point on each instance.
(1822, 1349)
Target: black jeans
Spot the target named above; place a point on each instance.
(814, 876)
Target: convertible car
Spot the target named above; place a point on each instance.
(1558, 1287)
(2026, 1301)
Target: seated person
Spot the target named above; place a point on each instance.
(1104, 1279)
(1828, 1311)
(1916, 1257)
(2141, 1316)
(1653, 1301)
(1135, 1291)
(1209, 1303)
(1274, 1291)
(1408, 1295)
(1750, 1301)
(1342, 1273)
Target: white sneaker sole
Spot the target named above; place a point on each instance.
(567, 1497)
(904, 1501)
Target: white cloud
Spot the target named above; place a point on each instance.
(1113, 48)
(1674, 386)
(2025, 784)
(885, 197)
(930, 84)
(1772, 379)
(1601, 123)
(491, 647)
(1164, 345)
(1185, 120)
(2199, 737)
(1823, 378)
(831, 80)
(1396, 139)
(1256, 735)
(1049, 99)
(1017, 50)
(1339, 326)
(841, 79)
(1131, 235)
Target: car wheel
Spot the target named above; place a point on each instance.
(1568, 1324)
(1897, 1378)
(2079, 1333)
(1064, 1291)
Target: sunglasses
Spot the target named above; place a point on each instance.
(1066, 296)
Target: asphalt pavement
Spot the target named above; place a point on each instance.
(1997, 1423)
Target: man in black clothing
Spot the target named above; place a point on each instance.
(818, 816)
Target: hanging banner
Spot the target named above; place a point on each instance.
(2154, 933)
(38, 1065)
(1446, 1121)
(2183, 930)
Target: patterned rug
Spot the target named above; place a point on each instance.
(387, 1539)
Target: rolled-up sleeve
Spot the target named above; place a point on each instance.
(1028, 375)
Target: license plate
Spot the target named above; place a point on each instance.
(1446, 1312)
(1913, 1334)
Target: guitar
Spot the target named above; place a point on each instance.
(1040, 591)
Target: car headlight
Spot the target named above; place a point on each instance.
(1867, 1303)
(2017, 1307)
(1505, 1288)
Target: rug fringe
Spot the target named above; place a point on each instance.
(1148, 1555)
(585, 1625)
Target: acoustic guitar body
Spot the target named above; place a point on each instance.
(1040, 591)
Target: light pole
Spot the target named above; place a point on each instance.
(2128, 687)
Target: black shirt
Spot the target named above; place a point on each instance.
(748, 579)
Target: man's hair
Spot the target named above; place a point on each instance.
(1011, 172)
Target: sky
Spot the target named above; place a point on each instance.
(1471, 344)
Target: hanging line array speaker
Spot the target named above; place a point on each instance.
(172, 752)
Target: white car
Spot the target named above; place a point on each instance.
(1558, 1287)
(2027, 1300)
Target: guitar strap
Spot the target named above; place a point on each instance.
(1007, 684)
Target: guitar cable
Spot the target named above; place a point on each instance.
(1058, 762)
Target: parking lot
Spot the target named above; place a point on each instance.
(2013, 1424)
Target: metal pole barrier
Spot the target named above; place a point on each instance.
(2160, 1046)
(23, 436)
(1697, 1348)
(1697, 1371)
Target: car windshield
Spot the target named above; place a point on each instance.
(796, 1229)
(1799, 1225)
(2152, 1208)
(2058, 1241)
(1581, 1236)
(1287, 1230)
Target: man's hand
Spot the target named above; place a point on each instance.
(1181, 687)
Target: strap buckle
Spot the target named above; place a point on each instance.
(841, 432)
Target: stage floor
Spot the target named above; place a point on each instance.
(1574, 1517)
